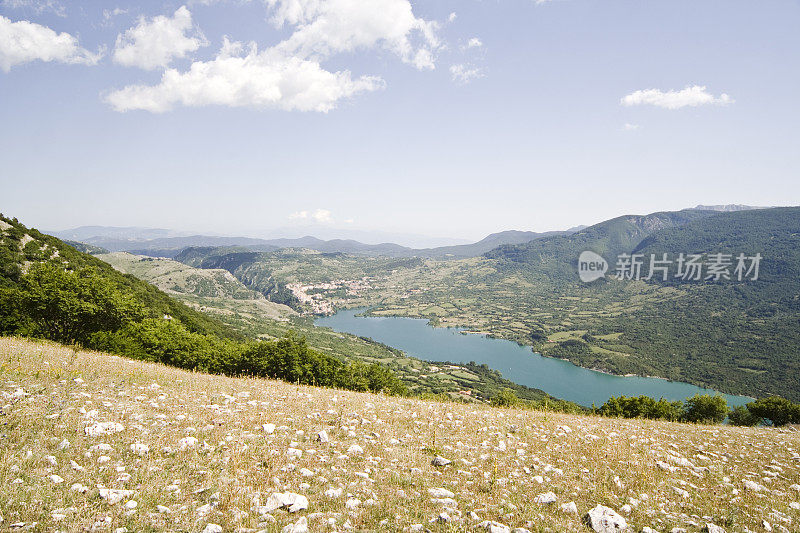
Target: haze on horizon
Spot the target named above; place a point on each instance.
(443, 119)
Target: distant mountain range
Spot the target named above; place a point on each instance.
(157, 243)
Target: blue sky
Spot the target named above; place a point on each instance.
(393, 116)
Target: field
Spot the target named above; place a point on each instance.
(92, 441)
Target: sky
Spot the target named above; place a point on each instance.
(453, 118)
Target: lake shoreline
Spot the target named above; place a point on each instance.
(465, 331)
(565, 381)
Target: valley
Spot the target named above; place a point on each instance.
(739, 338)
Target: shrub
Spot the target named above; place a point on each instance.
(505, 398)
(741, 416)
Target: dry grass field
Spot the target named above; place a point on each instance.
(97, 442)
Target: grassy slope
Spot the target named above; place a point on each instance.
(51, 394)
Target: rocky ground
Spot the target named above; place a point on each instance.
(96, 442)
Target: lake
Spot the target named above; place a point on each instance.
(519, 364)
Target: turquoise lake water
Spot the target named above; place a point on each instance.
(519, 364)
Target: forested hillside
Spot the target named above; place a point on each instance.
(50, 290)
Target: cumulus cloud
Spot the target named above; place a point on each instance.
(289, 75)
(693, 96)
(326, 27)
(23, 42)
(265, 80)
(465, 73)
(322, 216)
(474, 43)
(156, 42)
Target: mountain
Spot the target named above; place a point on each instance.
(486, 244)
(130, 233)
(115, 240)
(555, 256)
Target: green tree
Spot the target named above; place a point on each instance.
(69, 306)
(741, 416)
(705, 409)
(779, 411)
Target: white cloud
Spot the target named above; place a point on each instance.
(693, 96)
(452, 17)
(155, 43)
(327, 27)
(108, 14)
(465, 73)
(23, 42)
(630, 127)
(289, 75)
(474, 43)
(322, 216)
(37, 6)
(265, 80)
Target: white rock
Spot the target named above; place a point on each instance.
(712, 528)
(355, 449)
(269, 429)
(352, 503)
(545, 498)
(103, 428)
(333, 493)
(440, 461)
(204, 509)
(604, 520)
(301, 526)
(162, 509)
(322, 436)
(114, 496)
(131, 504)
(78, 487)
(278, 500)
(569, 508)
(752, 485)
(294, 453)
(187, 442)
(140, 449)
(494, 527)
(55, 478)
(212, 528)
(440, 493)
(64, 445)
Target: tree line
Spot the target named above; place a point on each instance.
(704, 409)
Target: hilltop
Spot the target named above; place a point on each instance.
(93, 441)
